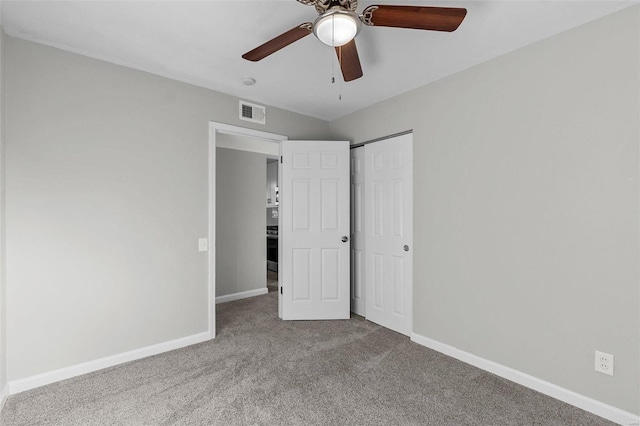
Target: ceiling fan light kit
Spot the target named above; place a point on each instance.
(338, 24)
(337, 27)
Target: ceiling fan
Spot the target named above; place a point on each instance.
(338, 24)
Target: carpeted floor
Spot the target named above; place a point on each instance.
(260, 370)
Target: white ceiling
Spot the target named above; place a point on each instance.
(201, 42)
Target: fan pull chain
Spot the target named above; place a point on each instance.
(333, 65)
(340, 62)
(333, 70)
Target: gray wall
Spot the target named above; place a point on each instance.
(241, 247)
(526, 203)
(106, 197)
(3, 299)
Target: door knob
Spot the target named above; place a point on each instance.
(345, 239)
(406, 247)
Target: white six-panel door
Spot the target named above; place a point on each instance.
(357, 232)
(314, 208)
(389, 232)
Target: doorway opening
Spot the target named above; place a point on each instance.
(238, 254)
(273, 201)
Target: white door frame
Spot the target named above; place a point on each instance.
(214, 129)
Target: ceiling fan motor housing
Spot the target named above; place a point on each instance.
(323, 5)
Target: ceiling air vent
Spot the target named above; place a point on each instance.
(252, 112)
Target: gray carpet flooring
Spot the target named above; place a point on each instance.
(260, 370)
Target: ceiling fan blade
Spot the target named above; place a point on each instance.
(416, 17)
(349, 61)
(277, 43)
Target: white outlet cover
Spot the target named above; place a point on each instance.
(203, 244)
(604, 363)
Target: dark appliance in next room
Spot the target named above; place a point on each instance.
(272, 248)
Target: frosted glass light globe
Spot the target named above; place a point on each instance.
(336, 27)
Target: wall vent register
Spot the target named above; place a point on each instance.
(252, 112)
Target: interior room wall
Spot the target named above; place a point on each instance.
(272, 185)
(3, 299)
(272, 181)
(106, 197)
(241, 247)
(526, 206)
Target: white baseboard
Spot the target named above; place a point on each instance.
(21, 385)
(241, 295)
(588, 404)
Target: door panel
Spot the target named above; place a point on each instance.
(301, 276)
(314, 211)
(388, 228)
(329, 204)
(330, 274)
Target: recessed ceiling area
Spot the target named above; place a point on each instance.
(201, 42)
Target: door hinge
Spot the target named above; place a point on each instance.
(281, 159)
(280, 290)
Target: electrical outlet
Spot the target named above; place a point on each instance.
(604, 363)
(203, 244)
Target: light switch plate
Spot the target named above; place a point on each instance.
(203, 244)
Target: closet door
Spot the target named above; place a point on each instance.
(389, 233)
